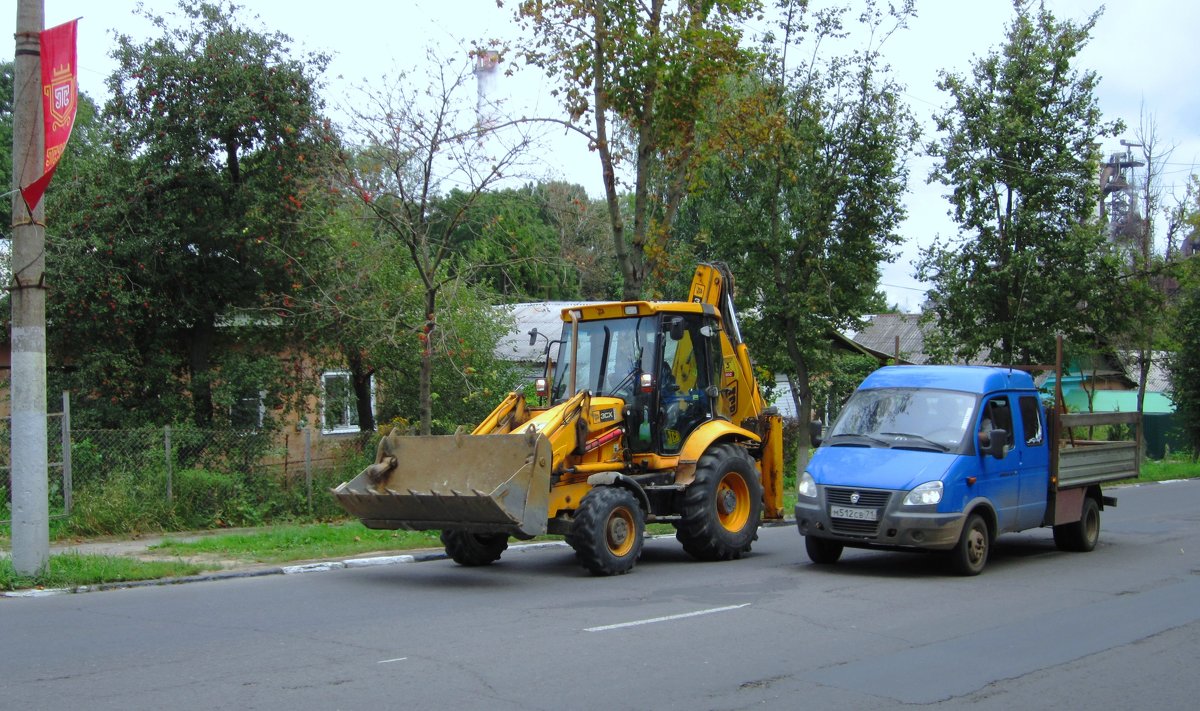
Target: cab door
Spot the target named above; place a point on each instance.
(999, 479)
(1035, 462)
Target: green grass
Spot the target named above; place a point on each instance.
(69, 570)
(281, 544)
(1170, 468)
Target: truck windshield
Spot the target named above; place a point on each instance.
(903, 417)
(612, 354)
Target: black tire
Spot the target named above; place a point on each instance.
(822, 551)
(970, 554)
(722, 507)
(608, 531)
(1080, 536)
(474, 549)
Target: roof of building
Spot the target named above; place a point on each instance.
(545, 316)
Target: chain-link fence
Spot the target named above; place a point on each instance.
(161, 478)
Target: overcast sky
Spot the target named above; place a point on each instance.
(1145, 53)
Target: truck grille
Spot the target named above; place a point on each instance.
(868, 499)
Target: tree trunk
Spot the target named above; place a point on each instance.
(200, 346)
(425, 384)
(360, 378)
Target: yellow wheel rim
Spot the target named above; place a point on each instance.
(620, 532)
(733, 502)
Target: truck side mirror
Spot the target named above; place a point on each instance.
(816, 433)
(997, 442)
(533, 334)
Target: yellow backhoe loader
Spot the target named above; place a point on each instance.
(648, 413)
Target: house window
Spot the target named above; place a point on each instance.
(339, 408)
(247, 412)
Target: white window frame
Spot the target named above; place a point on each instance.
(347, 424)
(262, 409)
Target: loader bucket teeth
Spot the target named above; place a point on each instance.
(484, 483)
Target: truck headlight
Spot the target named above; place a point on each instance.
(925, 495)
(806, 487)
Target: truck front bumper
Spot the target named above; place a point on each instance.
(894, 526)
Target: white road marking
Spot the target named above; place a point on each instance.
(388, 661)
(668, 618)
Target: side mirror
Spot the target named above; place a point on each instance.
(676, 329)
(533, 334)
(816, 432)
(997, 442)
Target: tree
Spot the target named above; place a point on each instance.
(215, 152)
(1017, 149)
(1183, 359)
(424, 164)
(634, 79)
(805, 196)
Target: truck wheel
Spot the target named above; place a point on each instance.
(1080, 536)
(608, 530)
(472, 549)
(822, 551)
(722, 506)
(971, 553)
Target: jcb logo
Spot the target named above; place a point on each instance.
(671, 438)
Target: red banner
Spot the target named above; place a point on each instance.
(60, 99)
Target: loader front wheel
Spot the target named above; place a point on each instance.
(608, 530)
(474, 549)
(722, 506)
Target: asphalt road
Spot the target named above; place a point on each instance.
(1117, 627)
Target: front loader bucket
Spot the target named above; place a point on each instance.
(483, 483)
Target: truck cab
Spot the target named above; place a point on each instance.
(940, 458)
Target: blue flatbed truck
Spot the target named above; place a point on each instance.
(946, 458)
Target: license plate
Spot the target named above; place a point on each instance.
(853, 513)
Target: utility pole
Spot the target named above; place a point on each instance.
(30, 490)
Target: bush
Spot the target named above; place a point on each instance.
(123, 502)
(208, 499)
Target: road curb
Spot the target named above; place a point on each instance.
(316, 567)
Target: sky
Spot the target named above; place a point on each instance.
(1144, 53)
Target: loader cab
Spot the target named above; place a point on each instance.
(664, 366)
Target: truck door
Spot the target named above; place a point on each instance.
(1035, 462)
(998, 478)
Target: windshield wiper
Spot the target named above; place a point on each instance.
(938, 445)
(869, 438)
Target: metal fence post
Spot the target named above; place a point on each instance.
(308, 464)
(167, 447)
(66, 451)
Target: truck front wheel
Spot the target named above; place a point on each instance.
(822, 551)
(1080, 536)
(971, 553)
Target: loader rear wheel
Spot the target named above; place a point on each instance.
(473, 549)
(608, 530)
(722, 506)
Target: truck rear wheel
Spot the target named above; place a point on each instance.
(722, 506)
(1082, 535)
(822, 551)
(473, 549)
(971, 553)
(608, 530)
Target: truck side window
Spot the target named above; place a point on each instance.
(1031, 419)
(997, 415)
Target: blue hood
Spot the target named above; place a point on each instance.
(878, 467)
